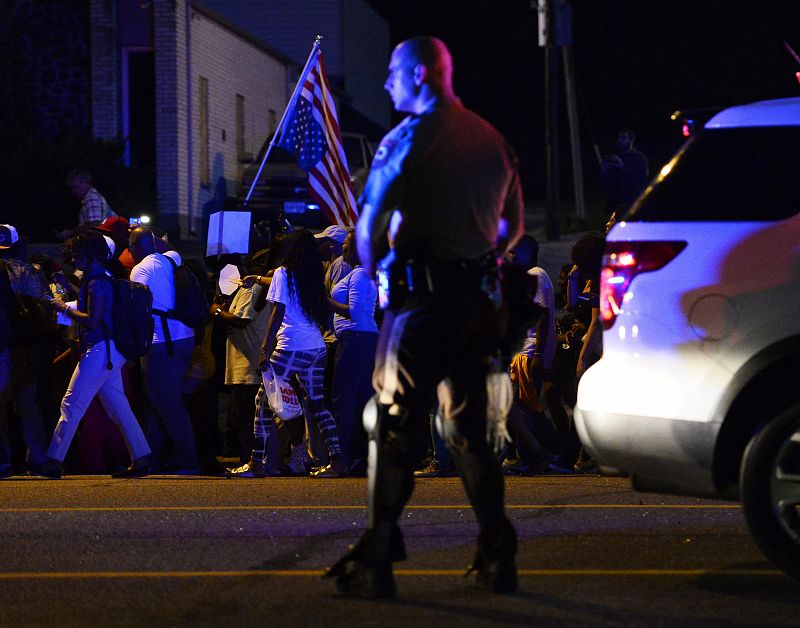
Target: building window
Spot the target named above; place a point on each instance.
(205, 170)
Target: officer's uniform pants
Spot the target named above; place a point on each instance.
(435, 344)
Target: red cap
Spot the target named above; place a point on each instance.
(117, 226)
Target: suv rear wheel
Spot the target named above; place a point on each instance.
(770, 489)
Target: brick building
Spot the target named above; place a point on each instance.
(189, 91)
(192, 92)
(355, 43)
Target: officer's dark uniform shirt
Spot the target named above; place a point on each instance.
(451, 176)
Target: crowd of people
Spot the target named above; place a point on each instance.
(57, 316)
(304, 308)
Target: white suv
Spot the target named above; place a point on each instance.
(698, 389)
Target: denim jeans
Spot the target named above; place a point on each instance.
(169, 427)
(23, 389)
(90, 378)
(352, 388)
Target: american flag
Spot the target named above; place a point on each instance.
(311, 132)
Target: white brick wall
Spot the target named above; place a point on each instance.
(169, 33)
(104, 69)
(232, 66)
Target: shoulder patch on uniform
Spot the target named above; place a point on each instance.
(383, 153)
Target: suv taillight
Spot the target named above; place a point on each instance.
(621, 263)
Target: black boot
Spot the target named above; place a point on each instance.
(369, 581)
(494, 566)
(366, 569)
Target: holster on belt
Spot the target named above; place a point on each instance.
(401, 277)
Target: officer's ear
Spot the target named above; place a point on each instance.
(420, 74)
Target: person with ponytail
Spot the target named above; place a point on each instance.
(294, 348)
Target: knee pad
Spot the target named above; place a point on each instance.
(447, 429)
(369, 418)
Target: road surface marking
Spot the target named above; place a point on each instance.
(306, 573)
(363, 507)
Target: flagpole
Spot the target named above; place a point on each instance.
(297, 89)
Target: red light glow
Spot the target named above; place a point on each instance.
(626, 259)
(621, 264)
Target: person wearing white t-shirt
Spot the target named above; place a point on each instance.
(353, 303)
(294, 347)
(165, 363)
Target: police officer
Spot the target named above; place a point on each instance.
(444, 190)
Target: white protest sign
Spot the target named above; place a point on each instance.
(228, 232)
(229, 280)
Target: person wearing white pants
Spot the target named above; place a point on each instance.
(99, 370)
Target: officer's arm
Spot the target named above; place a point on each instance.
(511, 225)
(383, 192)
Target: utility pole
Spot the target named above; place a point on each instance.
(555, 31)
(547, 39)
(574, 136)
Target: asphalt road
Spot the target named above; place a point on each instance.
(216, 552)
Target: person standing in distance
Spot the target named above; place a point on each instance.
(444, 188)
(94, 207)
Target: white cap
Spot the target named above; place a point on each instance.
(337, 233)
(8, 236)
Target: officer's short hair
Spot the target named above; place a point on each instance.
(431, 52)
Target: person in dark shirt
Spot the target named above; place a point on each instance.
(624, 173)
(99, 370)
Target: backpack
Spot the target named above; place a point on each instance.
(132, 316)
(191, 305)
(31, 317)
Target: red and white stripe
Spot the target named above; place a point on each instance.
(329, 180)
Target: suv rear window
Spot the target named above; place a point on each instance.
(731, 174)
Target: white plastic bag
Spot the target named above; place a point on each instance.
(280, 395)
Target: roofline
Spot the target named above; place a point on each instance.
(259, 43)
(247, 36)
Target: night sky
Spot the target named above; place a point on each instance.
(636, 62)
